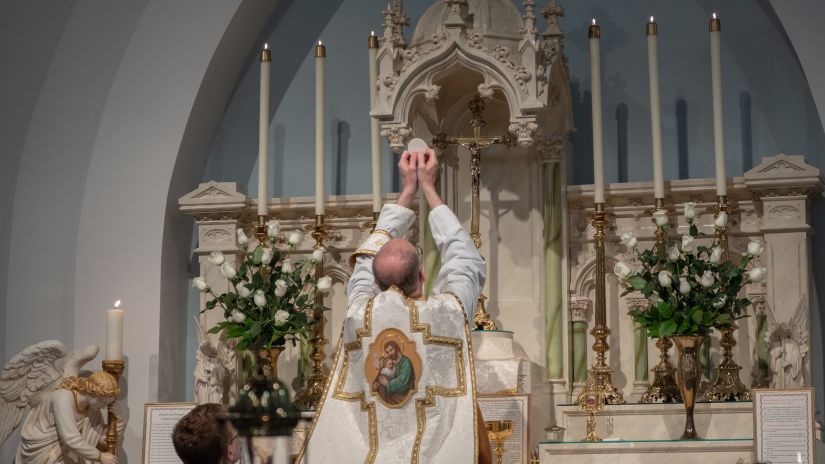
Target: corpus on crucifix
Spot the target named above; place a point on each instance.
(474, 145)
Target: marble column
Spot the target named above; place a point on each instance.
(552, 215)
(641, 372)
(579, 314)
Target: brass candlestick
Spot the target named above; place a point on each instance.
(601, 372)
(314, 388)
(499, 431)
(726, 386)
(664, 388)
(115, 368)
(261, 230)
(591, 400)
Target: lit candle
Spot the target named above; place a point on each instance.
(114, 333)
(655, 112)
(263, 133)
(716, 80)
(594, 33)
(372, 44)
(320, 57)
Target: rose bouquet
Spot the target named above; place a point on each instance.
(272, 296)
(691, 287)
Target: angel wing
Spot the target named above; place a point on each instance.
(799, 325)
(28, 373)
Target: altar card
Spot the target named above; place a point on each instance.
(159, 421)
(514, 407)
(784, 425)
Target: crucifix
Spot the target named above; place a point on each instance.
(474, 145)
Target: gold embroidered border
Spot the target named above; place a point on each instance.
(339, 393)
(432, 392)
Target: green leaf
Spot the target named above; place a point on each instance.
(257, 255)
(697, 315)
(694, 231)
(665, 311)
(636, 281)
(667, 328)
(255, 329)
(211, 304)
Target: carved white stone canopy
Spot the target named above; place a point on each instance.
(488, 39)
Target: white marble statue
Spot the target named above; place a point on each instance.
(214, 368)
(65, 424)
(788, 348)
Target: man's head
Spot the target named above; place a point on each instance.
(397, 263)
(392, 350)
(205, 436)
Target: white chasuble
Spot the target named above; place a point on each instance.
(403, 388)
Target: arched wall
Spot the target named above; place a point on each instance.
(105, 115)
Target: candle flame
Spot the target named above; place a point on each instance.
(266, 46)
(372, 33)
(714, 15)
(320, 43)
(117, 303)
(651, 19)
(593, 21)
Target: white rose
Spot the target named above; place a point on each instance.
(295, 237)
(716, 255)
(280, 288)
(673, 254)
(281, 317)
(718, 304)
(216, 258)
(665, 279)
(707, 279)
(755, 248)
(684, 286)
(228, 271)
(324, 283)
(272, 228)
(721, 220)
(259, 299)
(266, 256)
(238, 316)
(690, 210)
(318, 255)
(242, 238)
(661, 217)
(622, 270)
(287, 266)
(688, 245)
(757, 274)
(200, 284)
(242, 290)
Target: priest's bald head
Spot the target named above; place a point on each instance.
(397, 263)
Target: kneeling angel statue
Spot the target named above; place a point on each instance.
(66, 421)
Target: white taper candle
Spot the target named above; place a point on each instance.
(716, 84)
(655, 109)
(594, 33)
(114, 333)
(263, 134)
(375, 141)
(320, 117)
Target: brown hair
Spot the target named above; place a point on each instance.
(201, 437)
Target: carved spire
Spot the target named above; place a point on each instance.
(528, 19)
(552, 12)
(388, 25)
(455, 17)
(399, 21)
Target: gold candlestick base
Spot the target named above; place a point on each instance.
(310, 396)
(115, 369)
(601, 372)
(482, 319)
(664, 388)
(591, 400)
(727, 386)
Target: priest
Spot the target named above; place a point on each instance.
(403, 386)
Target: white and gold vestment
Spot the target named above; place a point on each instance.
(402, 389)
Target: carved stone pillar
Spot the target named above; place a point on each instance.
(641, 379)
(580, 309)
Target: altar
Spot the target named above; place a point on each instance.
(491, 92)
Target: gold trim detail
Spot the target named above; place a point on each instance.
(383, 232)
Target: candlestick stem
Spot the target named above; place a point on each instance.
(115, 369)
(314, 388)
